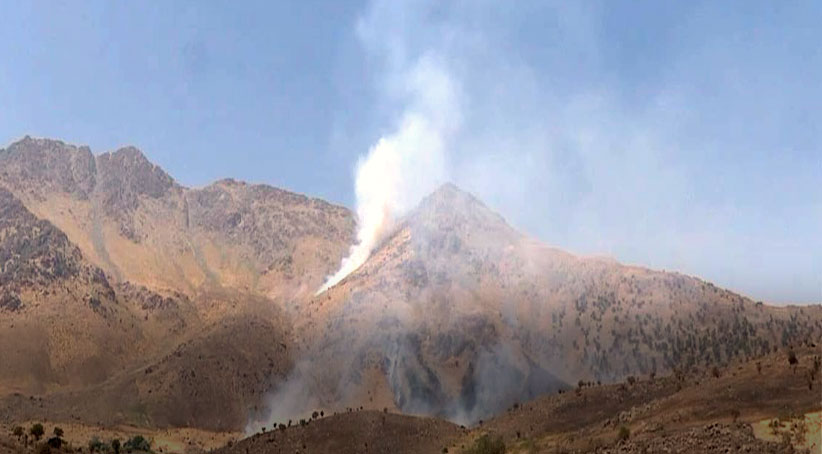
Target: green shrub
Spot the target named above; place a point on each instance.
(95, 445)
(137, 443)
(37, 431)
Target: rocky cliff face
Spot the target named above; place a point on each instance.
(57, 311)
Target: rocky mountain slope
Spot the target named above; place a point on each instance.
(131, 219)
(42, 277)
(464, 316)
(107, 313)
(126, 298)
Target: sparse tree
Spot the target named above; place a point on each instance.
(95, 445)
(792, 358)
(37, 431)
(137, 443)
(55, 442)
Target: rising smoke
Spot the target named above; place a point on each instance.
(410, 162)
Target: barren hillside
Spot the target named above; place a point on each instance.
(130, 218)
(464, 316)
(126, 298)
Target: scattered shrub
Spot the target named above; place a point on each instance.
(37, 431)
(115, 445)
(487, 444)
(18, 431)
(715, 372)
(624, 433)
(55, 442)
(96, 445)
(792, 358)
(58, 432)
(137, 443)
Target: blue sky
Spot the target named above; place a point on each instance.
(680, 136)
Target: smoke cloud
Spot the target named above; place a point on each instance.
(656, 138)
(408, 163)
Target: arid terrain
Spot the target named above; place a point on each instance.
(130, 304)
(765, 405)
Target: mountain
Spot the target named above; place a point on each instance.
(131, 219)
(127, 298)
(464, 316)
(101, 302)
(42, 277)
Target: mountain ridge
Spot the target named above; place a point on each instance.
(453, 305)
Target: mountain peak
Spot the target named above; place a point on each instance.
(129, 167)
(449, 208)
(28, 143)
(43, 165)
(450, 191)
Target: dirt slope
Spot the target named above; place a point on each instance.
(121, 353)
(690, 411)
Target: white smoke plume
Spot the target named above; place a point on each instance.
(407, 164)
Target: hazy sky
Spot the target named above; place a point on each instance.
(683, 136)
